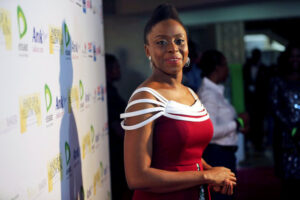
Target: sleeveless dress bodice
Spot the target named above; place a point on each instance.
(180, 135)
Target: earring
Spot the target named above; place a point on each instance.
(187, 64)
(150, 62)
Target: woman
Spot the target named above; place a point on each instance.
(285, 102)
(221, 149)
(166, 126)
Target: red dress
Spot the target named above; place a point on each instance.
(179, 140)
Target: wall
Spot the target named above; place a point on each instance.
(53, 118)
(124, 38)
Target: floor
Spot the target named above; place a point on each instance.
(256, 179)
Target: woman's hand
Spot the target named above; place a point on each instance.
(217, 175)
(222, 179)
(226, 189)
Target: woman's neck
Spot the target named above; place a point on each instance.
(173, 80)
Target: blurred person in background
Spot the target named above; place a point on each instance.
(116, 106)
(256, 81)
(285, 108)
(192, 73)
(227, 124)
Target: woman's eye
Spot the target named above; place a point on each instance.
(162, 42)
(179, 41)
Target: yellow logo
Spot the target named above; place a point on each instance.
(30, 105)
(54, 167)
(73, 96)
(55, 39)
(87, 143)
(98, 176)
(5, 27)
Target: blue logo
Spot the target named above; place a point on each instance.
(60, 102)
(38, 36)
(84, 6)
(94, 51)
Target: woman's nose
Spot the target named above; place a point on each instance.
(172, 47)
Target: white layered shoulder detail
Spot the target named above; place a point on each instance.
(164, 107)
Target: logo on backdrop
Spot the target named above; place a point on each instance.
(66, 41)
(54, 169)
(55, 39)
(76, 156)
(81, 90)
(99, 93)
(90, 49)
(5, 29)
(9, 124)
(33, 191)
(67, 153)
(75, 49)
(88, 143)
(81, 95)
(84, 6)
(73, 98)
(22, 27)
(48, 103)
(48, 97)
(68, 158)
(38, 38)
(59, 106)
(30, 111)
(100, 176)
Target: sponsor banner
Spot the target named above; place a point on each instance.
(52, 121)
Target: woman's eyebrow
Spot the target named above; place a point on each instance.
(164, 36)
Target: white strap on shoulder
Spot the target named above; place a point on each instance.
(193, 93)
(141, 112)
(159, 109)
(196, 113)
(152, 91)
(144, 101)
(143, 123)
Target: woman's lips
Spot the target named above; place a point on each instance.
(173, 60)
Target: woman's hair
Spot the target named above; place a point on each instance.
(162, 12)
(209, 61)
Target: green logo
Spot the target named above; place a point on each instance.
(101, 169)
(81, 90)
(21, 16)
(48, 97)
(67, 152)
(67, 35)
(92, 133)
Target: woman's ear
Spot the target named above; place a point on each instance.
(147, 51)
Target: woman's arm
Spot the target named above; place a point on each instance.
(138, 153)
(205, 165)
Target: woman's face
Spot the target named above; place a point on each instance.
(167, 46)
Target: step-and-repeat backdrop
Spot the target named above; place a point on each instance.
(53, 115)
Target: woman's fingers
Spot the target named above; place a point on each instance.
(224, 189)
(217, 188)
